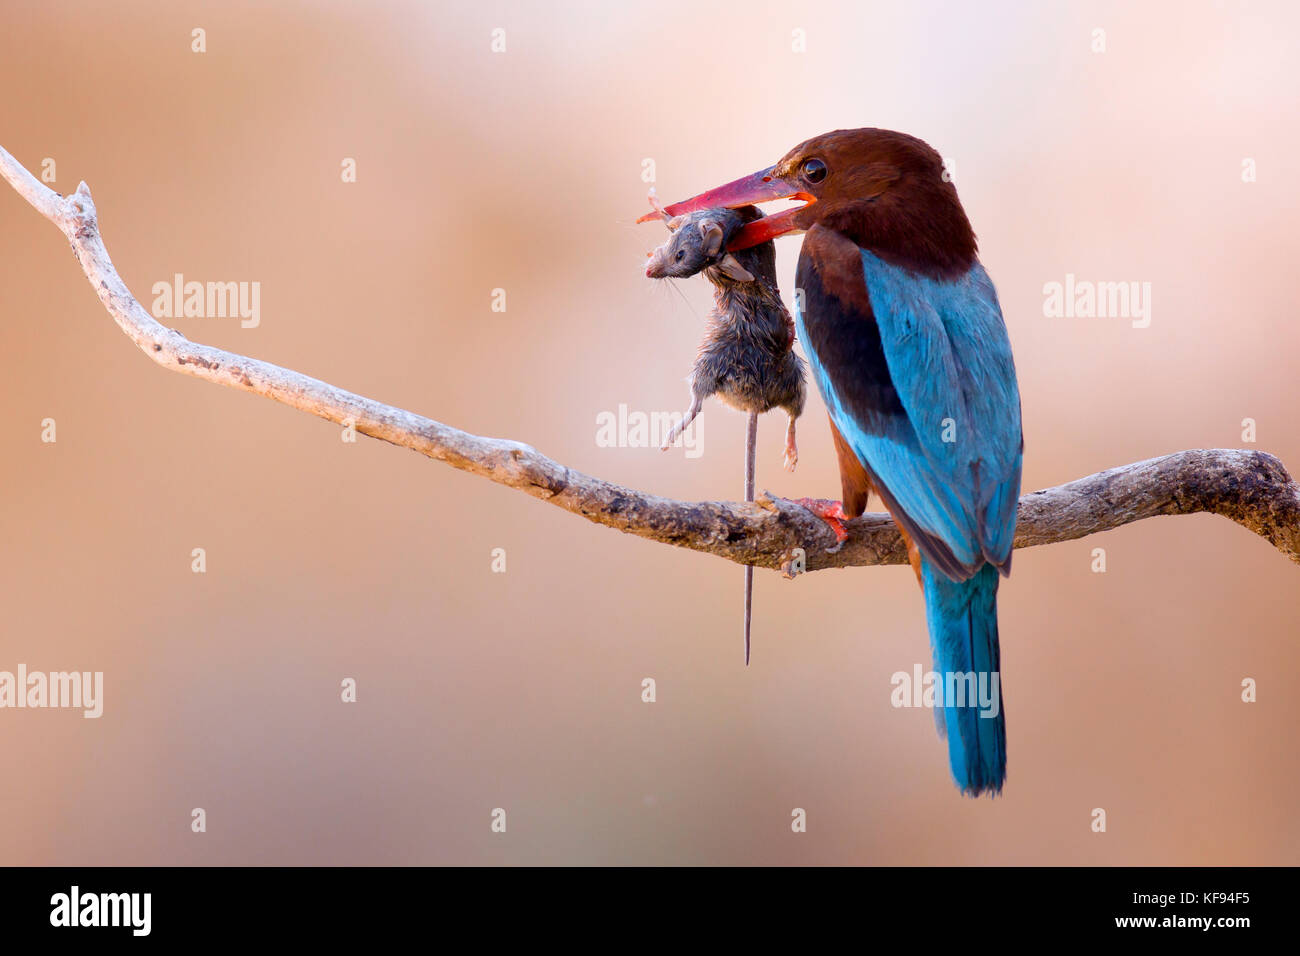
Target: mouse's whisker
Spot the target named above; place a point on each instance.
(682, 295)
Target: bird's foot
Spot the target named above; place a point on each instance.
(832, 512)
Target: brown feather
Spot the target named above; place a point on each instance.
(855, 484)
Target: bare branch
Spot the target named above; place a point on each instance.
(1251, 488)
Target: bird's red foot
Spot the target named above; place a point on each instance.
(832, 512)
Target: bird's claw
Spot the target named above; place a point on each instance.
(832, 512)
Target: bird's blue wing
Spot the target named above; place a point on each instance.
(918, 377)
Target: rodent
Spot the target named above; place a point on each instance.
(747, 356)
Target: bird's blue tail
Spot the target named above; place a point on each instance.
(963, 620)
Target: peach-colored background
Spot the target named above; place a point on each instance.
(522, 690)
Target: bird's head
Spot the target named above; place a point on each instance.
(885, 190)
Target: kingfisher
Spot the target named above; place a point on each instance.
(909, 350)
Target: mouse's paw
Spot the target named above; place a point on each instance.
(791, 450)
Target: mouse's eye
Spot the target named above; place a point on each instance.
(813, 170)
(681, 254)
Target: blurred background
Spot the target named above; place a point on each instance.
(522, 170)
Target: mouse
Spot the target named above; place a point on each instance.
(747, 356)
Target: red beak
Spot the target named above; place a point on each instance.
(762, 186)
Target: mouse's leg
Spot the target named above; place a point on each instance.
(791, 450)
(697, 402)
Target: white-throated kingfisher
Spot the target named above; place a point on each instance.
(903, 330)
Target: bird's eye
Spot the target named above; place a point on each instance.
(814, 170)
(681, 254)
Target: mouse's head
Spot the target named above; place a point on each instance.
(697, 241)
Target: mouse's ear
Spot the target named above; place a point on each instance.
(711, 233)
(730, 267)
(674, 222)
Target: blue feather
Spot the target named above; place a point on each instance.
(963, 619)
(952, 464)
(948, 466)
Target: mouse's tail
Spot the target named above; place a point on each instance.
(751, 457)
(749, 606)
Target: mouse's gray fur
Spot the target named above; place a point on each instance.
(747, 357)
